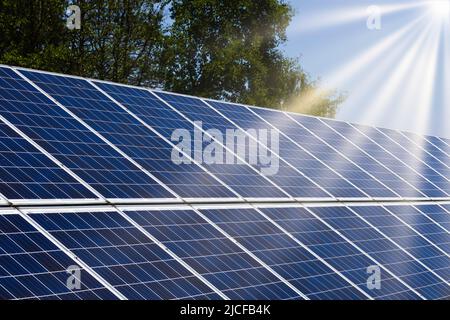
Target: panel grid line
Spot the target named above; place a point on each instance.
(251, 254)
(71, 255)
(397, 245)
(418, 173)
(264, 146)
(224, 146)
(162, 137)
(377, 161)
(96, 133)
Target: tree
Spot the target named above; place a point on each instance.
(33, 34)
(231, 50)
(120, 40)
(218, 49)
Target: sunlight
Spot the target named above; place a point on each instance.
(395, 81)
(335, 17)
(360, 64)
(440, 9)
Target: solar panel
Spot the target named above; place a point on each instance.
(286, 177)
(129, 135)
(428, 229)
(344, 256)
(32, 267)
(423, 158)
(75, 146)
(26, 173)
(436, 213)
(297, 263)
(213, 255)
(346, 200)
(346, 145)
(439, 143)
(306, 151)
(413, 170)
(434, 261)
(371, 157)
(124, 256)
(239, 177)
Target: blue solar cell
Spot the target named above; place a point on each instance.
(440, 143)
(424, 226)
(210, 253)
(31, 267)
(284, 176)
(155, 113)
(372, 158)
(436, 213)
(292, 261)
(124, 256)
(339, 253)
(412, 170)
(72, 144)
(329, 131)
(297, 183)
(373, 142)
(432, 145)
(132, 137)
(338, 185)
(431, 282)
(291, 151)
(425, 158)
(26, 173)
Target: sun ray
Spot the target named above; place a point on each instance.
(336, 17)
(359, 64)
(385, 100)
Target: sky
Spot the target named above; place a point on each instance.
(396, 76)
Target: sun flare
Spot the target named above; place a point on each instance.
(440, 8)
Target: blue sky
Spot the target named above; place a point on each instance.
(386, 89)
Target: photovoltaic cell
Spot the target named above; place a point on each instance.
(371, 157)
(439, 143)
(26, 173)
(210, 253)
(155, 113)
(417, 247)
(438, 213)
(72, 144)
(329, 132)
(124, 256)
(437, 158)
(424, 158)
(292, 261)
(284, 177)
(424, 226)
(295, 182)
(335, 160)
(335, 250)
(130, 136)
(412, 170)
(320, 171)
(32, 267)
(374, 143)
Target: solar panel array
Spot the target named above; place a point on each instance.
(93, 205)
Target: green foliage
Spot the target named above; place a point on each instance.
(217, 49)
